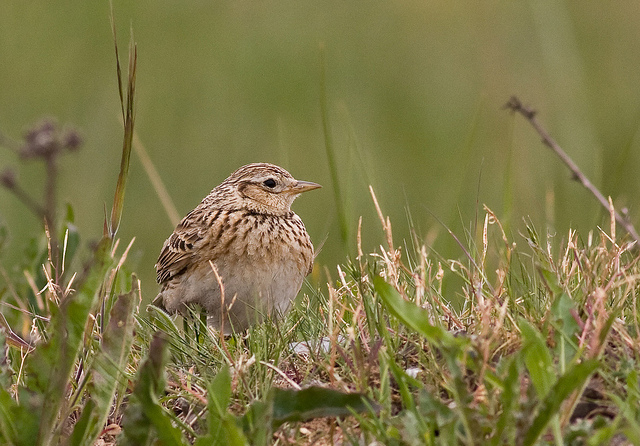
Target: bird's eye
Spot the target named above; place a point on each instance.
(270, 183)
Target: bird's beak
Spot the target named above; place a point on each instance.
(303, 186)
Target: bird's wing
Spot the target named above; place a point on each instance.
(178, 250)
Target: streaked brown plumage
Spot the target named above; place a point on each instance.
(259, 246)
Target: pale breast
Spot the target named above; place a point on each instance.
(262, 261)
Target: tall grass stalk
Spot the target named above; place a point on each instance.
(339, 197)
(128, 118)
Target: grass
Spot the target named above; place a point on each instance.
(544, 349)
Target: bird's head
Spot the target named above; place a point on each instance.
(265, 188)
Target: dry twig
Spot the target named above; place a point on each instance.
(516, 106)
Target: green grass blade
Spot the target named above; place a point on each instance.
(630, 408)
(566, 329)
(223, 428)
(505, 427)
(220, 392)
(538, 359)
(412, 315)
(50, 367)
(289, 405)
(108, 368)
(571, 381)
(401, 380)
(145, 416)
(257, 423)
(16, 424)
(162, 321)
(315, 402)
(331, 157)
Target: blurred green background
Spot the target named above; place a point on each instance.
(414, 94)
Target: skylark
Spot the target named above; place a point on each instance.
(242, 253)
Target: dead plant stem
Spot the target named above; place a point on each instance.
(516, 106)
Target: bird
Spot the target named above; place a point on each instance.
(242, 254)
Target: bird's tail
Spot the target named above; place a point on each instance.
(159, 302)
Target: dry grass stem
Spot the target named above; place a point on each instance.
(156, 180)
